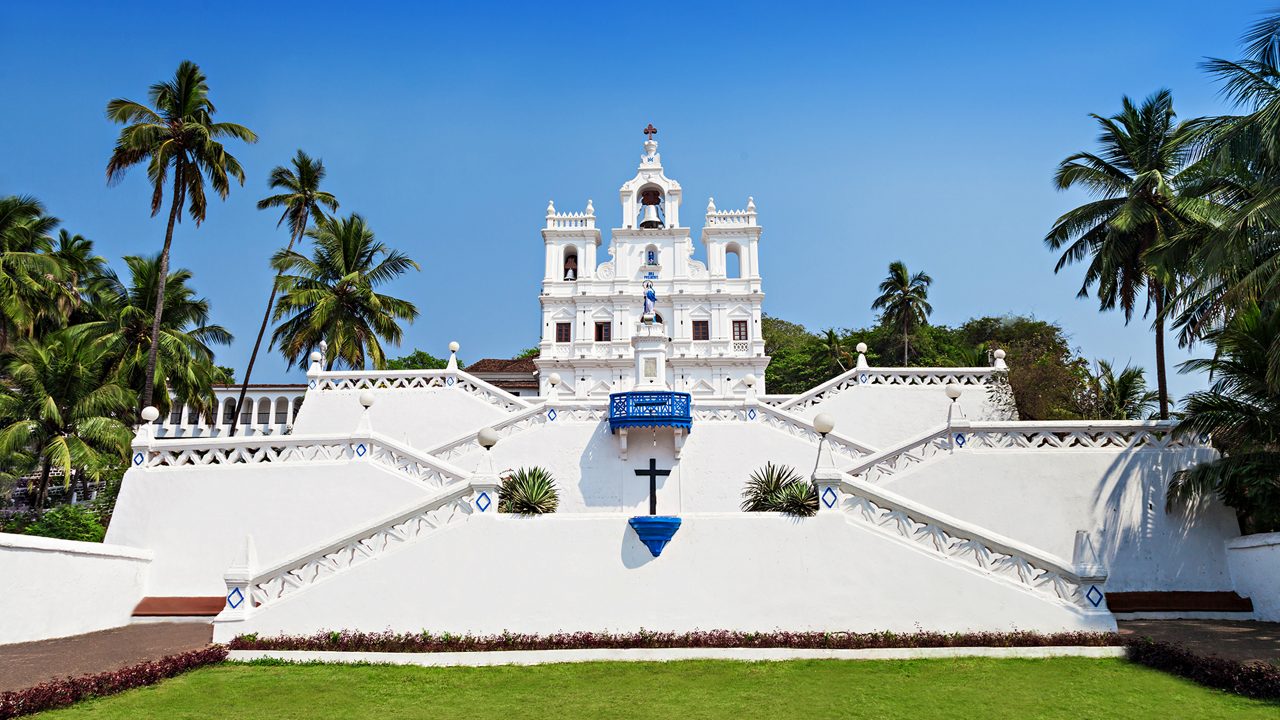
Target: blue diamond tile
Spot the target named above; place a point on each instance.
(138, 458)
(551, 414)
(234, 598)
(863, 378)
(829, 497)
(960, 439)
(1094, 595)
(751, 414)
(360, 450)
(483, 502)
(448, 381)
(312, 384)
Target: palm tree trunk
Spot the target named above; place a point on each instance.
(905, 330)
(42, 490)
(148, 387)
(1162, 385)
(262, 329)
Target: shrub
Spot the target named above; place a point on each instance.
(59, 693)
(388, 641)
(1256, 680)
(69, 522)
(779, 488)
(528, 491)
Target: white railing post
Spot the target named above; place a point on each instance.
(239, 577)
(826, 478)
(485, 483)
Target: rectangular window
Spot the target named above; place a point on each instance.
(563, 332)
(701, 329)
(739, 329)
(604, 331)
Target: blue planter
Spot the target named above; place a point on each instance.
(655, 531)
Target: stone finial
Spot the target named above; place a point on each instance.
(999, 356)
(862, 356)
(551, 208)
(711, 205)
(751, 204)
(591, 209)
(453, 356)
(364, 425)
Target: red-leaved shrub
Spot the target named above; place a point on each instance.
(59, 693)
(427, 642)
(1256, 680)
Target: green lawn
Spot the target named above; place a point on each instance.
(1071, 688)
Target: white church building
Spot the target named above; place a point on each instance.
(377, 505)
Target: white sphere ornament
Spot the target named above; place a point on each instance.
(999, 354)
(824, 423)
(366, 399)
(487, 437)
(150, 413)
(453, 346)
(749, 380)
(554, 379)
(953, 391)
(862, 347)
(316, 357)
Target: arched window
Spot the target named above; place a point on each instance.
(570, 262)
(264, 411)
(732, 261)
(228, 411)
(282, 411)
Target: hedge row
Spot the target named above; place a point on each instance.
(349, 641)
(1256, 680)
(60, 693)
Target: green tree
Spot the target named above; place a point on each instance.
(80, 270)
(1136, 178)
(833, 347)
(176, 135)
(1119, 396)
(331, 295)
(25, 273)
(904, 302)
(792, 350)
(1240, 411)
(418, 360)
(123, 329)
(1046, 375)
(302, 200)
(61, 409)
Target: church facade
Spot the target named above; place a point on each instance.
(705, 337)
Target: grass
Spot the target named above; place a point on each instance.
(1071, 688)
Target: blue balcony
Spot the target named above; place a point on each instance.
(649, 409)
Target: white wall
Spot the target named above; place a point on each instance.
(716, 462)
(884, 415)
(55, 588)
(196, 518)
(739, 572)
(421, 418)
(1255, 568)
(1042, 497)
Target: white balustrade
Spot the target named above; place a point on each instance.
(858, 377)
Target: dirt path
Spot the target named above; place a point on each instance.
(26, 664)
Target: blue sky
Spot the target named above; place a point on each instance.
(926, 132)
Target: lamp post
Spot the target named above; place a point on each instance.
(485, 483)
(955, 417)
(826, 478)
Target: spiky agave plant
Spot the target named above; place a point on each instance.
(529, 491)
(779, 488)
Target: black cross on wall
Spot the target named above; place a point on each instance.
(654, 473)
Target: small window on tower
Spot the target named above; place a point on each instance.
(701, 330)
(739, 329)
(563, 332)
(604, 331)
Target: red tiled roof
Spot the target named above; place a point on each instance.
(495, 365)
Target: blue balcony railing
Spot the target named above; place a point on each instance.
(649, 409)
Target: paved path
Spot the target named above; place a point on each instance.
(25, 664)
(1232, 639)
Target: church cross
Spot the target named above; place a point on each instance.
(650, 131)
(654, 473)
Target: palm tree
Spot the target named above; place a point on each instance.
(301, 200)
(61, 410)
(834, 350)
(80, 270)
(331, 295)
(904, 300)
(1136, 180)
(177, 134)
(27, 277)
(123, 324)
(1241, 413)
(1122, 396)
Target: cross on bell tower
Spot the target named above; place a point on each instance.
(650, 131)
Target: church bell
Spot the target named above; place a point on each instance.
(649, 218)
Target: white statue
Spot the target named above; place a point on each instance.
(650, 302)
